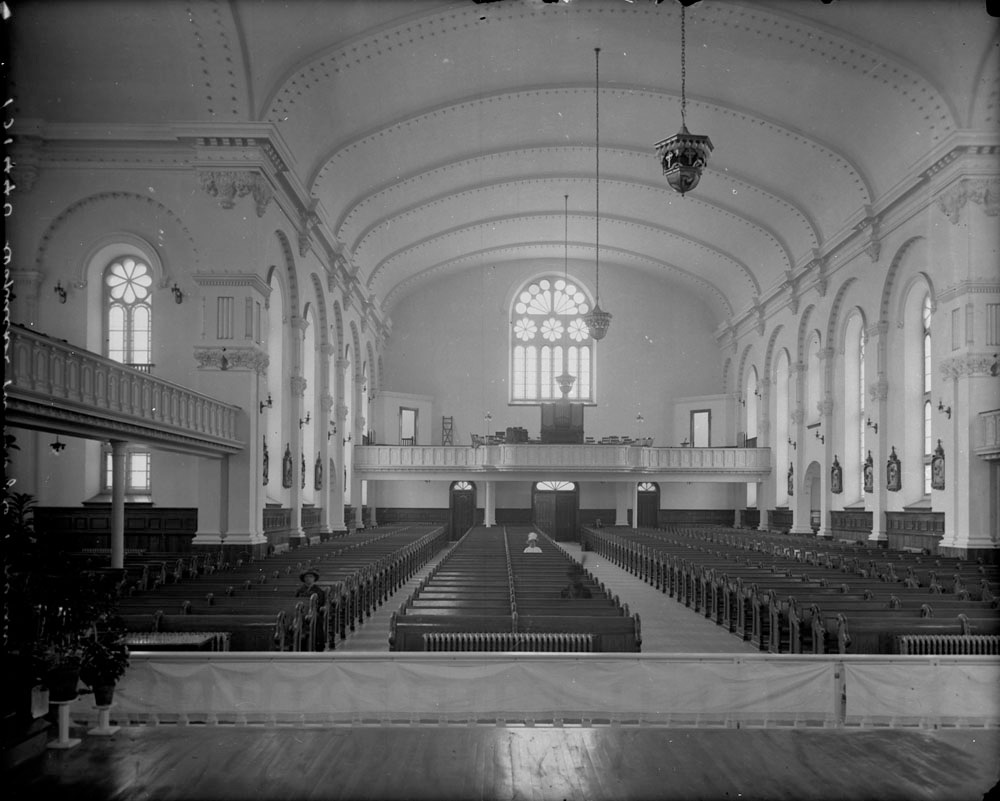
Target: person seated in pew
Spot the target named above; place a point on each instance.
(310, 587)
(576, 588)
(532, 546)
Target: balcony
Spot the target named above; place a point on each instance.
(56, 386)
(986, 435)
(531, 461)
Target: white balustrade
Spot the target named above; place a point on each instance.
(59, 377)
(740, 463)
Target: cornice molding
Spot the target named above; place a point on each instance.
(250, 280)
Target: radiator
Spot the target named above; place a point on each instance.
(508, 641)
(949, 644)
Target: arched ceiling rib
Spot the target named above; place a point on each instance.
(438, 133)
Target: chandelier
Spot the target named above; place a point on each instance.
(598, 320)
(684, 155)
(565, 381)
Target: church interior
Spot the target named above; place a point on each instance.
(641, 358)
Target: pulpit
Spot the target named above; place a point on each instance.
(562, 422)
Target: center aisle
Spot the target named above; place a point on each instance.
(373, 634)
(667, 626)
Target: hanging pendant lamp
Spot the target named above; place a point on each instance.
(684, 155)
(565, 380)
(598, 321)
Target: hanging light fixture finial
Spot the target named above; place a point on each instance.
(684, 155)
(598, 320)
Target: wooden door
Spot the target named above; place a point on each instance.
(648, 503)
(463, 508)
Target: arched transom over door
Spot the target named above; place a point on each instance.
(648, 504)
(554, 506)
(462, 508)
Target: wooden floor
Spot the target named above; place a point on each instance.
(482, 762)
(441, 763)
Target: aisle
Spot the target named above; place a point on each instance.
(667, 626)
(373, 635)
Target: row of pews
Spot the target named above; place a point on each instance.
(790, 594)
(251, 605)
(487, 594)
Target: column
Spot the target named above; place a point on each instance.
(337, 523)
(297, 391)
(634, 502)
(117, 503)
(826, 496)
(323, 437)
(622, 497)
(372, 503)
(490, 517)
(801, 502)
(766, 488)
(877, 442)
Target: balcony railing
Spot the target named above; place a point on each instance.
(986, 435)
(61, 387)
(747, 464)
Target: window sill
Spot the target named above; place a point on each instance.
(923, 505)
(105, 498)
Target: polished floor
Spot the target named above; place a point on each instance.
(537, 764)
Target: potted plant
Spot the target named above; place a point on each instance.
(104, 661)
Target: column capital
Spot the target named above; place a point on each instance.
(297, 385)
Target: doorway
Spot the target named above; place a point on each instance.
(462, 508)
(554, 508)
(648, 505)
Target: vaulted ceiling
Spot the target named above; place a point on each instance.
(439, 136)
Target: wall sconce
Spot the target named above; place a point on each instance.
(58, 289)
(332, 431)
(943, 408)
(347, 439)
(266, 404)
(685, 443)
(821, 437)
(871, 425)
(640, 419)
(57, 447)
(756, 392)
(743, 401)
(794, 445)
(178, 294)
(305, 420)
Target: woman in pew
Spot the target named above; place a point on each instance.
(532, 546)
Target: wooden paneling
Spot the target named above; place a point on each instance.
(405, 514)
(716, 517)
(150, 528)
(780, 520)
(850, 524)
(920, 530)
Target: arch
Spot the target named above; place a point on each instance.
(891, 273)
(293, 282)
(321, 316)
(338, 329)
(841, 333)
(832, 335)
(356, 340)
(741, 370)
(769, 352)
(922, 279)
(803, 333)
(279, 276)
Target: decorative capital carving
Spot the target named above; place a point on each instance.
(231, 185)
(984, 192)
(879, 390)
(297, 385)
(797, 416)
(327, 349)
(970, 364)
(825, 406)
(326, 402)
(341, 412)
(870, 226)
(248, 358)
(759, 310)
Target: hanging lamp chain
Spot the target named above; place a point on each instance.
(597, 182)
(683, 71)
(566, 237)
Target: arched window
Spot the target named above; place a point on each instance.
(814, 380)
(129, 315)
(925, 319)
(555, 486)
(128, 338)
(548, 339)
(854, 408)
